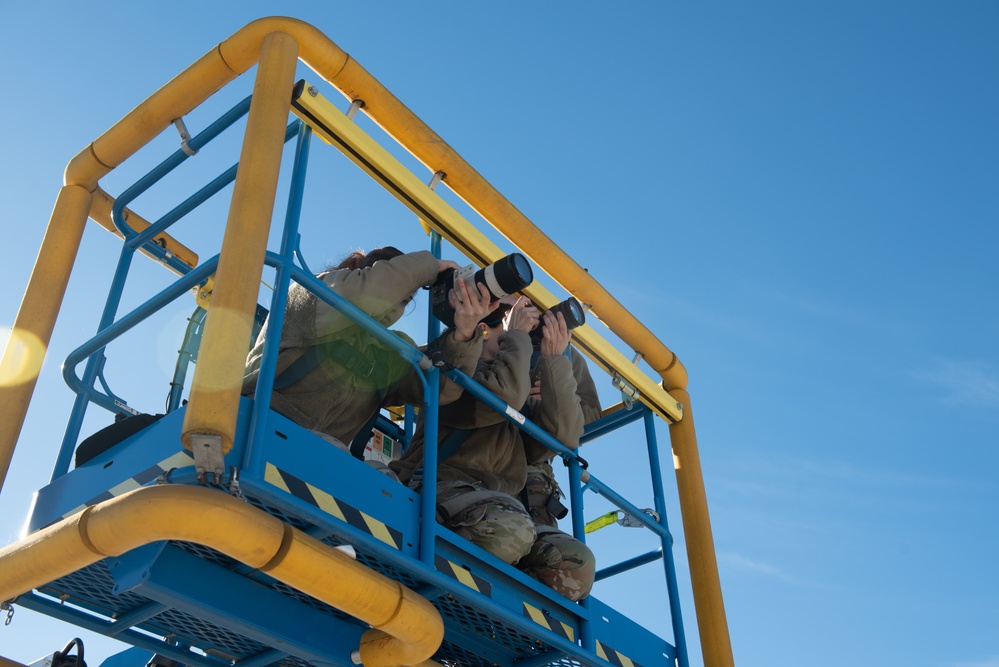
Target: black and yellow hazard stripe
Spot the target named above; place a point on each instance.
(613, 657)
(332, 506)
(456, 571)
(179, 460)
(546, 620)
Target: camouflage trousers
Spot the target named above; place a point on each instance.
(561, 562)
(556, 559)
(499, 524)
(542, 495)
(492, 520)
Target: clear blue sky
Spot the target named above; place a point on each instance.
(800, 199)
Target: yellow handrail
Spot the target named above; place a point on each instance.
(407, 629)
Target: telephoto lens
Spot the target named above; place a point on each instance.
(504, 276)
(572, 312)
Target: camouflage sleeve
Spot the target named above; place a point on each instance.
(462, 356)
(508, 376)
(586, 389)
(558, 411)
(407, 387)
(379, 290)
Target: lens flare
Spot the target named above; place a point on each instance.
(22, 357)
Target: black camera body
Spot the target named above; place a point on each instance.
(572, 312)
(504, 276)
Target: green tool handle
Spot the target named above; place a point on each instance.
(601, 521)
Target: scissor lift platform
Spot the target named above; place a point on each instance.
(170, 597)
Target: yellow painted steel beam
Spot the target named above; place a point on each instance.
(100, 212)
(709, 606)
(337, 68)
(407, 629)
(32, 331)
(240, 52)
(334, 127)
(218, 376)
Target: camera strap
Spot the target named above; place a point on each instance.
(364, 365)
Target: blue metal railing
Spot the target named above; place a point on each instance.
(93, 372)
(284, 263)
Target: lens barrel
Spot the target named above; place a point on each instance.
(504, 276)
(572, 312)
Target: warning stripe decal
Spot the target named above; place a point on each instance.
(456, 571)
(178, 460)
(613, 657)
(545, 620)
(327, 503)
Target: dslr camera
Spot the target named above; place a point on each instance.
(504, 276)
(573, 313)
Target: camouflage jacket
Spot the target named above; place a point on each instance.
(332, 399)
(568, 402)
(493, 453)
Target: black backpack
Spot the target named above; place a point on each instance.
(109, 436)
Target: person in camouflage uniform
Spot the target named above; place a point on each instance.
(477, 483)
(562, 398)
(334, 399)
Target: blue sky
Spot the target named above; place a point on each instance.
(800, 199)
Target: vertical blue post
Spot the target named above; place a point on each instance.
(660, 503)
(579, 532)
(409, 424)
(252, 456)
(94, 365)
(433, 324)
(428, 495)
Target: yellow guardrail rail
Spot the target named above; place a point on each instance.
(275, 45)
(406, 628)
(334, 127)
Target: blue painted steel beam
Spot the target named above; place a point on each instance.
(667, 541)
(262, 659)
(82, 386)
(275, 323)
(629, 564)
(540, 659)
(612, 422)
(100, 626)
(204, 590)
(136, 617)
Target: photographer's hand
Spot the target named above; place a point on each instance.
(470, 306)
(445, 264)
(555, 334)
(522, 316)
(535, 390)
